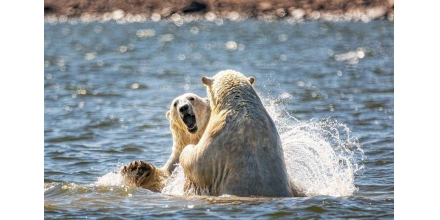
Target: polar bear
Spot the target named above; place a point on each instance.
(240, 152)
(188, 115)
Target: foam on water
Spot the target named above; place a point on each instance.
(110, 179)
(321, 157)
(113, 178)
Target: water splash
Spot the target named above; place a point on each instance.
(318, 158)
(174, 185)
(110, 179)
(321, 157)
(113, 178)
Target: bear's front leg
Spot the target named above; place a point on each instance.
(170, 165)
(188, 160)
(144, 175)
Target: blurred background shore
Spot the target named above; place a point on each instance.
(140, 10)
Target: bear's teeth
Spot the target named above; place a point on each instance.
(192, 127)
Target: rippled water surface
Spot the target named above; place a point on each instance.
(328, 85)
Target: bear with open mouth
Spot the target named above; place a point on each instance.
(188, 115)
(226, 143)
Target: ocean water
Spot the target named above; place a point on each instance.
(329, 86)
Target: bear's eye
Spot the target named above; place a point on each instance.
(175, 104)
(191, 98)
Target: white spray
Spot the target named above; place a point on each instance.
(321, 157)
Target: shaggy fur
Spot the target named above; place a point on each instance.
(240, 152)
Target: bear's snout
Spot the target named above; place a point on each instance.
(188, 117)
(183, 109)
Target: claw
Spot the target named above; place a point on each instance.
(137, 172)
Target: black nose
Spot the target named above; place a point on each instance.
(184, 108)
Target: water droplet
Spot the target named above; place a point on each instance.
(285, 95)
(122, 49)
(135, 86)
(81, 91)
(219, 22)
(210, 16)
(181, 57)
(145, 33)
(231, 45)
(166, 38)
(194, 30)
(155, 17)
(233, 16)
(90, 56)
(117, 14)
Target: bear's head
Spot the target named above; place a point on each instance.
(227, 85)
(190, 113)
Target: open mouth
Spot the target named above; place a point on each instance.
(190, 122)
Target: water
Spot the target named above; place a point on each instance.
(329, 86)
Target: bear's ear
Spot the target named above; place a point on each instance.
(207, 81)
(251, 80)
(168, 115)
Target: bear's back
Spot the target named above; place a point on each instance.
(249, 148)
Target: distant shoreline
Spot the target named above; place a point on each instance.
(211, 10)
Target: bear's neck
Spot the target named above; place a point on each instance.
(237, 100)
(183, 137)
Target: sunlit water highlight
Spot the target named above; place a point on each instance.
(321, 157)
